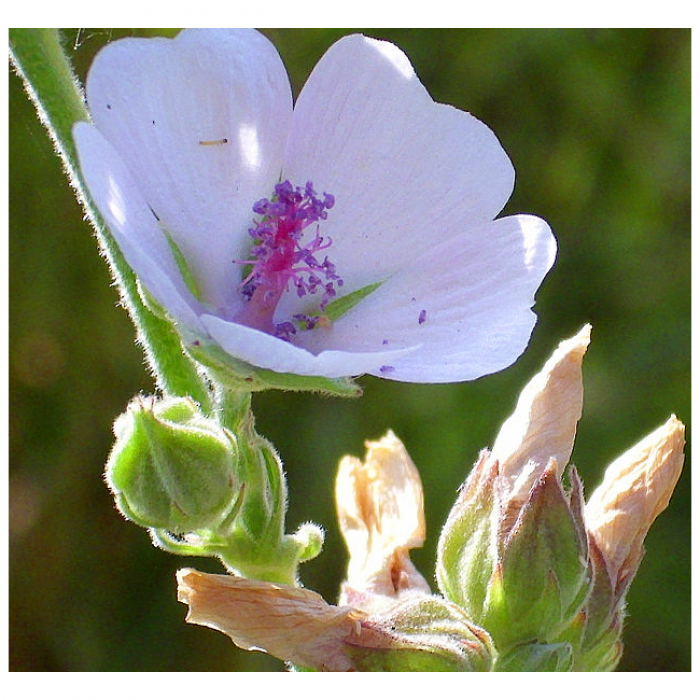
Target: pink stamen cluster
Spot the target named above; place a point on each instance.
(280, 256)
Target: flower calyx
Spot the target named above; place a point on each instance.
(174, 469)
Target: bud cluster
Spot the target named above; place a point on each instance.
(532, 577)
(207, 485)
(528, 560)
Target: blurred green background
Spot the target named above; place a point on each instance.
(597, 123)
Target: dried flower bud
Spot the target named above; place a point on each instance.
(380, 509)
(543, 425)
(636, 488)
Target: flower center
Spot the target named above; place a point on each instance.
(280, 257)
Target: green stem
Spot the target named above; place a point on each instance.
(265, 501)
(259, 543)
(40, 61)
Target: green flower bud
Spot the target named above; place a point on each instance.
(425, 633)
(517, 568)
(309, 537)
(513, 553)
(172, 468)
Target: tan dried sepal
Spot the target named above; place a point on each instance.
(292, 624)
(543, 425)
(380, 512)
(636, 488)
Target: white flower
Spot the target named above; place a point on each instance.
(191, 133)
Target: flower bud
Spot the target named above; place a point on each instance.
(517, 569)
(309, 537)
(172, 468)
(513, 553)
(542, 572)
(636, 488)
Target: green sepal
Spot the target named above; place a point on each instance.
(595, 633)
(518, 569)
(340, 306)
(512, 616)
(536, 657)
(466, 559)
(545, 576)
(237, 375)
(426, 633)
(187, 277)
(604, 654)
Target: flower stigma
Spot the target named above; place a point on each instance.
(280, 257)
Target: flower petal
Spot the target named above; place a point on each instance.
(269, 352)
(200, 120)
(465, 304)
(404, 170)
(133, 225)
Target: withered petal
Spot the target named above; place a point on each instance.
(636, 489)
(543, 425)
(292, 624)
(380, 511)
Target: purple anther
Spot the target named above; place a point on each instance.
(282, 253)
(285, 330)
